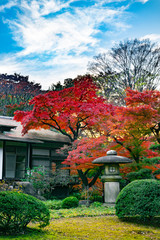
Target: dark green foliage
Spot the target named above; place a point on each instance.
(139, 198)
(68, 82)
(144, 174)
(123, 183)
(157, 172)
(96, 198)
(131, 176)
(141, 174)
(54, 204)
(70, 202)
(155, 146)
(77, 195)
(44, 181)
(18, 209)
(96, 204)
(151, 161)
(15, 93)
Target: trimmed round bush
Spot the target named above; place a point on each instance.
(70, 202)
(54, 204)
(18, 209)
(140, 198)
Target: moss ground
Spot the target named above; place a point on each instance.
(83, 211)
(90, 228)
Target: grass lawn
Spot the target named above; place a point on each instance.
(68, 224)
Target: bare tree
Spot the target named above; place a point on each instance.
(132, 63)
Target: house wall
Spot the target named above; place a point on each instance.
(1, 159)
(45, 155)
(20, 155)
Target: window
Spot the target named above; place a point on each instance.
(10, 165)
(112, 169)
(20, 166)
(41, 162)
(40, 157)
(15, 161)
(40, 152)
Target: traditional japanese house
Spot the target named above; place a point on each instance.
(36, 148)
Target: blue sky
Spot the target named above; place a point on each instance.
(51, 40)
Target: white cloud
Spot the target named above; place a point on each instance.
(54, 37)
(11, 64)
(152, 37)
(8, 5)
(69, 67)
(110, 1)
(46, 73)
(39, 8)
(142, 1)
(66, 31)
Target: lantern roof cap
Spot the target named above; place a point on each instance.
(112, 158)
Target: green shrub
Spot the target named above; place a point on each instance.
(123, 183)
(157, 172)
(70, 202)
(140, 198)
(151, 161)
(96, 204)
(96, 198)
(77, 195)
(18, 209)
(141, 174)
(54, 204)
(155, 146)
(44, 181)
(131, 176)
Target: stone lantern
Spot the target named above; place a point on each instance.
(111, 175)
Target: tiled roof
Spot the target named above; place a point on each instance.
(32, 136)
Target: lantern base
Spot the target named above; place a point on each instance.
(111, 191)
(109, 204)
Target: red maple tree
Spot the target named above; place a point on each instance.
(129, 131)
(72, 112)
(78, 110)
(136, 122)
